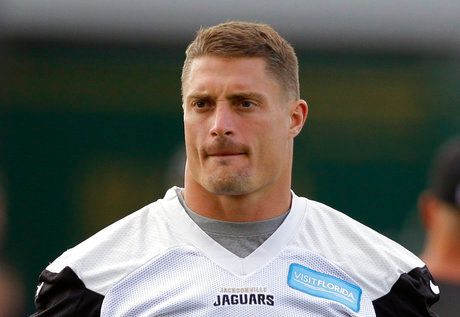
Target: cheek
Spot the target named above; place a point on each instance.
(189, 139)
(194, 127)
(275, 131)
(274, 142)
(192, 141)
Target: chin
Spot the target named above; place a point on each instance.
(229, 186)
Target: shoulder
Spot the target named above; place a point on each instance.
(373, 260)
(77, 281)
(115, 251)
(397, 281)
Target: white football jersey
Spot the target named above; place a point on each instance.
(158, 262)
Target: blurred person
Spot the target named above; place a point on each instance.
(11, 287)
(11, 292)
(236, 240)
(439, 206)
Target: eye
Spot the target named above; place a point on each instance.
(200, 104)
(247, 104)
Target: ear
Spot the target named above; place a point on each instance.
(298, 116)
(428, 205)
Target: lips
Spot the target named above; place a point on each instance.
(225, 154)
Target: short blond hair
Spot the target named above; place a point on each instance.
(246, 39)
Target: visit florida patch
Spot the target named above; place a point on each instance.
(324, 285)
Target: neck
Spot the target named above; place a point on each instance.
(261, 205)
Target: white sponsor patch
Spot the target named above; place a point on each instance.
(324, 285)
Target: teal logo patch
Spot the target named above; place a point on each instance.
(324, 285)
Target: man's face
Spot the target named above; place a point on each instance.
(237, 126)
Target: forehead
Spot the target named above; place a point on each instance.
(240, 73)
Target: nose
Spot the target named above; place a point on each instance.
(223, 120)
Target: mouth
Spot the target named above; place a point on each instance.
(220, 153)
(225, 154)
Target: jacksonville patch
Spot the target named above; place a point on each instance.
(323, 285)
(244, 296)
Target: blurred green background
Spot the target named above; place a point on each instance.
(91, 132)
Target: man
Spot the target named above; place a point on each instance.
(440, 210)
(236, 241)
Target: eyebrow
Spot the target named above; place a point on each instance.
(232, 97)
(198, 96)
(246, 95)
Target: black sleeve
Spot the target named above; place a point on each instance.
(64, 294)
(411, 296)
